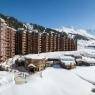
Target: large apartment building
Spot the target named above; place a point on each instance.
(23, 41)
(18, 42)
(58, 37)
(2, 40)
(7, 41)
(28, 42)
(10, 42)
(36, 42)
(44, 42)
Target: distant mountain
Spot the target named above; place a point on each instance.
(12, 22)
(16, 24)
(91, 31)
(80, 34)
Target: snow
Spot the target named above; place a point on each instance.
(5, 77)
(2, 20)
(53, 81)
(11, 28)
(76, 31)
(85, 43)
(10, 61)
(56, 55)
(6, 83)
(87, 73)
(31, 65)
(35, 56)
(57, 82)
(30, 27)
(3, 24)
(67, 60)
(88, 60)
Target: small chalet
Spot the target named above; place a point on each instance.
(34, 64)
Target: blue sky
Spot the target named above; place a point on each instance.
(52, 13)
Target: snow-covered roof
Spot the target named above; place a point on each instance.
(2, 20)
(21, 29)
(11, 28)
(31, 65)
(88, 60)
(67, 57)
(34, 56)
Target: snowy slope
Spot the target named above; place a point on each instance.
(52, 82)
(55, 82)
(73, 30)
(83, 44)
(87, 73)
(6, 83)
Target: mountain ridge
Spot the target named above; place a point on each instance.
(80, 33)
(16, 24)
